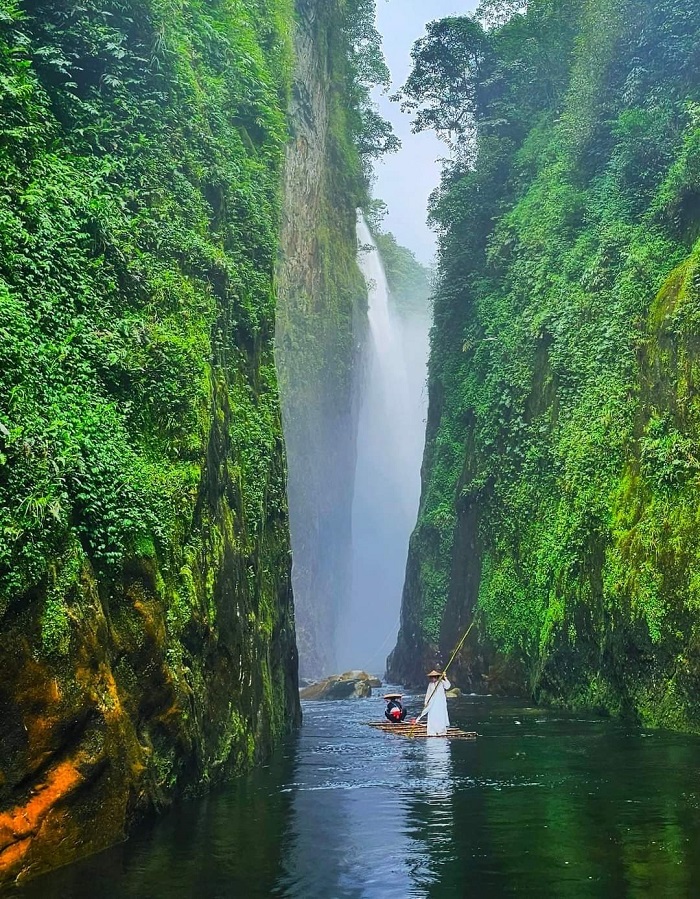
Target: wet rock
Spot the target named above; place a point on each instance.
(350, 685)
(454, 693)
(97, 736)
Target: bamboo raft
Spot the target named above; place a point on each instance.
(419, 730)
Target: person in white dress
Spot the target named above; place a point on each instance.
(436, 704)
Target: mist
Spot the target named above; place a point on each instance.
(393, 395)
(354, 397)
(390, 438)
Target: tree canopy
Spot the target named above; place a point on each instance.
(442, 91)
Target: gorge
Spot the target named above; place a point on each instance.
(212, 413)
(149, 255)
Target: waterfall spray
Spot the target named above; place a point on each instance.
(387, 480)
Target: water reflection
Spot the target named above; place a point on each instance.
(227, 844)
(349, 833)
(542, 805)
(431, 819)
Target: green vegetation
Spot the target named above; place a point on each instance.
(564, 422)
(145, 604)
(409, 281)
(363, 63)
(139, 166)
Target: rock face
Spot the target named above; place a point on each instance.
(561, 478)
(320, 326)
(147, 643)
(351, 685)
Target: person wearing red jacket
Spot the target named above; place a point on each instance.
(394, 711)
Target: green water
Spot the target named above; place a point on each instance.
(544, 804)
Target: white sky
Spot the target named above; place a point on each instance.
(406, 179)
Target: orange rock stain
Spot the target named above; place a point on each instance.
(20, 824)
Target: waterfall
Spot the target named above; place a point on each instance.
(387, 480)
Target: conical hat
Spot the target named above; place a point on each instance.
(393, 695)
(434, 673)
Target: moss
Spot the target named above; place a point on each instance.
(64, 576)
(561, 473)
(671, 294)
(144, 548)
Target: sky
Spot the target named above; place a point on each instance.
(406, 179)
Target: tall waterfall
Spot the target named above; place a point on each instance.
(387, 479)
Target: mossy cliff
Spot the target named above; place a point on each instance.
(146, 626)
(561, 475)
(322, 318)
(322, 297)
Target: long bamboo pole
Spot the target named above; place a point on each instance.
(444, 672)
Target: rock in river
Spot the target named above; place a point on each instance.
(351, 685)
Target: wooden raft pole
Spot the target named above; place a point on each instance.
(420, 730)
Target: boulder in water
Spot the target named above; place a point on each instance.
(351, 685)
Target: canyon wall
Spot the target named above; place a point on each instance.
(560, 479)
(336, 132)
(320, 329)
(147, 645)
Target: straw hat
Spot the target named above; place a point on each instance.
(393, 695)
(434, 673)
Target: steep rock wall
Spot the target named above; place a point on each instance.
(560, 481)
(320, 329)
(147, 643)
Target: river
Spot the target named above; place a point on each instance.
(543, 804)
